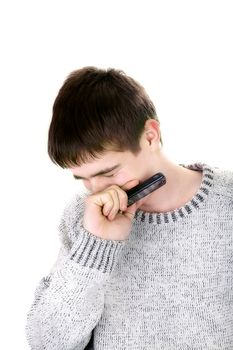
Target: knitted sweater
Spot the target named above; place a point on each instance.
(169, 286)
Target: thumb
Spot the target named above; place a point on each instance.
(130, 211)
(130, 184)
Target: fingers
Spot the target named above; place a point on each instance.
(120, 200)
(111, 204)
(112, 200)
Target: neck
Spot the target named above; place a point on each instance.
(181, 185)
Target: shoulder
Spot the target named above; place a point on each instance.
(222, 189)
(75, 205)
(71, 219)
(223, 182)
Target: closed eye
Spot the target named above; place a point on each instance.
(109, 175)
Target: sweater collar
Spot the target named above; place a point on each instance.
(194, 204)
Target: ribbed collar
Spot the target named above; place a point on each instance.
(195, 203)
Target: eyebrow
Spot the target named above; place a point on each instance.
(105, 171)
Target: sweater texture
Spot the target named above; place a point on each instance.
(169, 286)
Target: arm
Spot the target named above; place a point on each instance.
(69, 302)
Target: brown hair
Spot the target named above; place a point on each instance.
(97, 110)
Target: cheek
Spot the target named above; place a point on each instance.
(87, 184)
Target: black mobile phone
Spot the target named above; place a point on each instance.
(145, 188)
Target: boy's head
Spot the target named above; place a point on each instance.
(95, 111)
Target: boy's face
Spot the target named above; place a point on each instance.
(117, 168)
(113, 168)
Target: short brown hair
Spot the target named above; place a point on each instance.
(97, 110)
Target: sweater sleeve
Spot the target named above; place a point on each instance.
(69, 301)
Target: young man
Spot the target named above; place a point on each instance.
(155, 275)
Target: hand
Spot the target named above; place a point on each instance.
(101, 214)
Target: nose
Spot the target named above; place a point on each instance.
(96, 184)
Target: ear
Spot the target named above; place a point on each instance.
(152, 132)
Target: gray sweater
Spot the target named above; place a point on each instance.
(168, 287)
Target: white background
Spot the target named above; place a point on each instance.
(181, 51)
